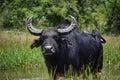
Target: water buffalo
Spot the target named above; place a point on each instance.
(96, 36)
(63, 48)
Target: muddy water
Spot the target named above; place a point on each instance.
(24, 74)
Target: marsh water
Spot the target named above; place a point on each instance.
(24, 74)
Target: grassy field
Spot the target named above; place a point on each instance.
(15, 54)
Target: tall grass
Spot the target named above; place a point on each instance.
(15, 53)
(111, 68)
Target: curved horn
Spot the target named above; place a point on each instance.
(71, 27)
(31, 29)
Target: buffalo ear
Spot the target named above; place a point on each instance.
(36, 43)
(68, 42)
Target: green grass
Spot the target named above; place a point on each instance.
(15, 54)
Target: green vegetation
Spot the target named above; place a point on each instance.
(15, 54)
(15, 51)
(103, 15)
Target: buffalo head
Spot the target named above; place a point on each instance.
(50, 38)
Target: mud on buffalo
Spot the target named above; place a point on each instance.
(64, 47)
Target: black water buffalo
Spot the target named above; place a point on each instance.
(63, 48)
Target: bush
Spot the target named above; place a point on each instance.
(95, 14)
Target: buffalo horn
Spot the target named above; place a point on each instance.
(71, 27)
(31, 29)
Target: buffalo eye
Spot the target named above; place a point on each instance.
(56, 37)
(44, 37)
